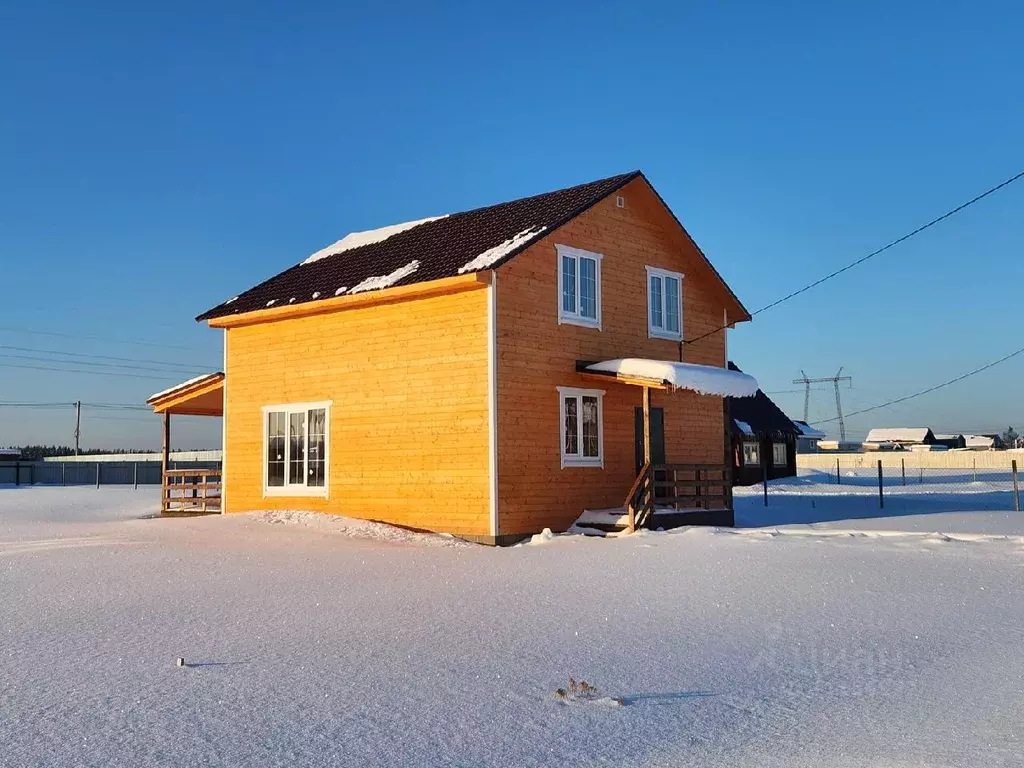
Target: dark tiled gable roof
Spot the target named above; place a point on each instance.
(760, 413)
(442, 247)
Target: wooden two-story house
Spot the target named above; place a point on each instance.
(488, 374)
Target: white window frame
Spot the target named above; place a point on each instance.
(575, 318)
(757, 452)
(662, 333)
(569, 460)
(289, 489)
(775, 454)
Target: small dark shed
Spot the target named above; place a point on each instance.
(762, 438)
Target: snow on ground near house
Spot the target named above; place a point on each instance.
(312, 644)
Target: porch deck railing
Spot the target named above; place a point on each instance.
(679, 487)
(190, 491)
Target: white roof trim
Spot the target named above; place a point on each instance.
(183, 386)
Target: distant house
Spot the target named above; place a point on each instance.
(983, 442)
(809, 438)
(952, 442)
(9, 454)
(763, 439)
(898, 438)
(488, 374)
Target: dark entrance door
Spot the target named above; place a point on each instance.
(657, 436)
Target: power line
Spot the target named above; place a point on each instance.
(184, 366)
(862, 259)
(127, 366)
(94, 373)
(95, 338)
(933, 389)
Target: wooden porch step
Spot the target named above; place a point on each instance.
(617, 519)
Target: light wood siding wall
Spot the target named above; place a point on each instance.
(409, 420)
(536, 355)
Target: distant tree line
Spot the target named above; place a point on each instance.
(32, 452)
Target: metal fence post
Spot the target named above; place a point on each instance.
(63, 468)
(881, 495)
(98, 474)
(1016, 489)
(903, 465)
(839, 480)
(136, 475)
(764, 479)
(17, 473)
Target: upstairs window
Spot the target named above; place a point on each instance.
(579, 287)
(665, 304)
(295, 449)
(582, 429)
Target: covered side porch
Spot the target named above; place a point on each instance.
(196, 491)
(664, 493)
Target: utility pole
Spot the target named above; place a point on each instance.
(78, 424)
(806, 381)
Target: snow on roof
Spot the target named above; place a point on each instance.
(703, 379)
(743, 427)
(898, 435)
(806, 430)
(979, 441)
(184, 385)
(10, 452)
(491, 255)
(947, 437)
(378, 282)
(369, 237)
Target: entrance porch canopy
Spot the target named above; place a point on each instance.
(666, 374)
(189, 491)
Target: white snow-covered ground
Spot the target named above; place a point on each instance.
(323, 642)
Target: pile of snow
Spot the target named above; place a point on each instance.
(491, 255)
(703, 379)
(356, 528)
(369, 237)
(383, 281)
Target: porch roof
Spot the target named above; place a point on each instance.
(667, 374)
(201, 396)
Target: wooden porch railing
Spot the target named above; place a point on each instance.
(679, 487)
(640, 499)
(692, 486)
(190, 491)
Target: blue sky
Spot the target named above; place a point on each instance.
(159, 159)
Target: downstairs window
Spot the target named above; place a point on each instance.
(779, 454)
(582, 430)
(751, 454)
(295, 449)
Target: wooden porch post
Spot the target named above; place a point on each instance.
(165, 461)
(647, 425)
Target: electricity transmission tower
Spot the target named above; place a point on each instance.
(839, 403)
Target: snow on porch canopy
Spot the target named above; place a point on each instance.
(702, 379)
(201, 396)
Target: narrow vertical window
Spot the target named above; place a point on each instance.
(569, 285)
(591, 448)
(579, 286)
(297, 448)
(657, 304)
(672, 305)
(275, 449)
(588, 288)
(316, 472)
(572, 434)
